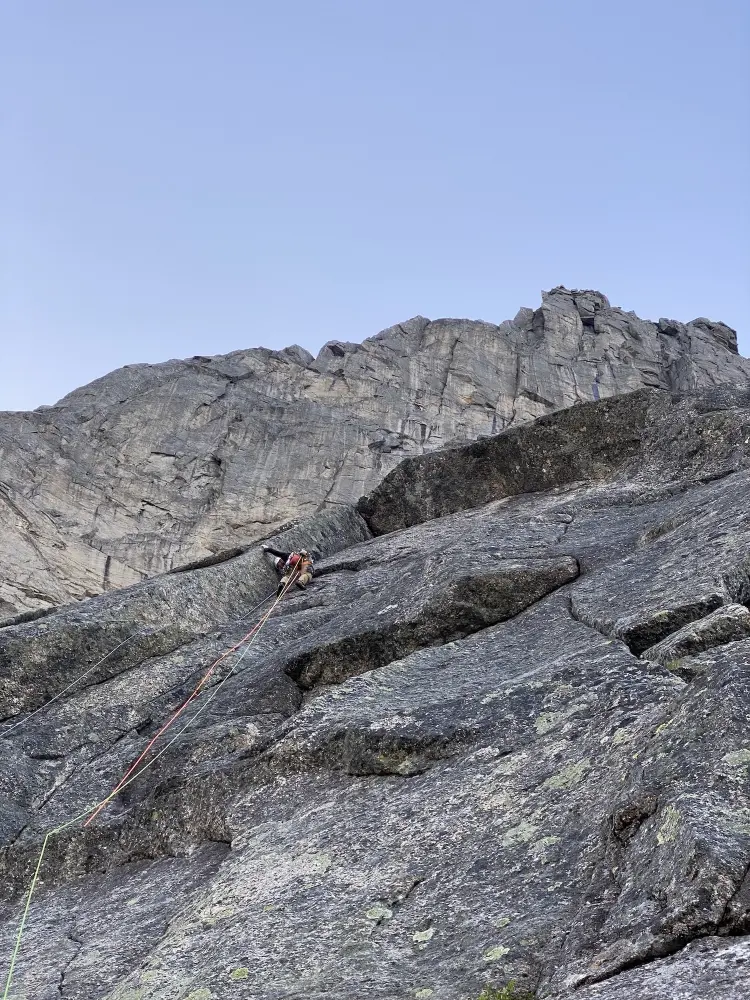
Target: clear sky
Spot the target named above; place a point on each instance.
(187, 177)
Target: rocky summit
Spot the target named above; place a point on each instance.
(503, 736)
(155, 466)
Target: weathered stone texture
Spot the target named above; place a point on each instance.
(455, 760)
(729, 623)
(157, 465)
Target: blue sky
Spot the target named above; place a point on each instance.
(187, 177)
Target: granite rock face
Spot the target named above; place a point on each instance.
(154, 466)
(455, 760)
(729, 623)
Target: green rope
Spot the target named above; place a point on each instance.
(24, 918)
(91, 809)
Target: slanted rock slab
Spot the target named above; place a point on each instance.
(728, 623)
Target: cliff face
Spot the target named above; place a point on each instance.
(158, 465)
(502, 736)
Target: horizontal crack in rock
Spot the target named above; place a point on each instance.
(464, 608)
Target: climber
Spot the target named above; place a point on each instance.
(300, 564)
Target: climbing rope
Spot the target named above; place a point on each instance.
(89, 670)
(175, 715)
(135, 771)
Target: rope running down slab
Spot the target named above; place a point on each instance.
(134, 771)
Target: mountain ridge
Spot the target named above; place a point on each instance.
(153, 466)
(722, 332)
(502, 736)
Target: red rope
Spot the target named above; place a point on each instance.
(175, 716)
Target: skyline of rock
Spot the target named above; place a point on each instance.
(153, 466)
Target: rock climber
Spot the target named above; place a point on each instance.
(298, 565)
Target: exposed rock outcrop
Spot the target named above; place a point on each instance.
(455, 760)
(729, 623)
(158, 465)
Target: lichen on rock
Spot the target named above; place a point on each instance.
(450, 759)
